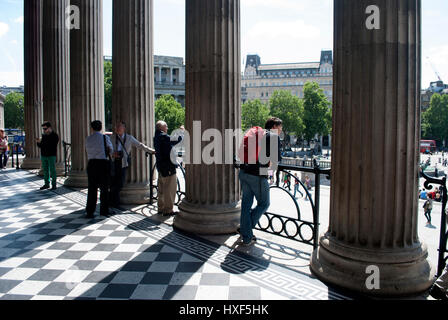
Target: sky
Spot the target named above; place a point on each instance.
(279, 31)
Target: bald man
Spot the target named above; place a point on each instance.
(167, 182)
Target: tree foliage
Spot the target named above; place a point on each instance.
(254, 113)
(435, 119)
(317, 116)
(108, 94)
(169, 110)
(289, 109)
(14, 111)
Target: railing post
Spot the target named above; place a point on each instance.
(151, 178)
(17, 157)
(65, 158)
(316, 203)
(443, 239)
(11, 147)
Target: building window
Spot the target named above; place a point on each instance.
(262, 94)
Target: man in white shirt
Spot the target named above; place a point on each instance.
(123, 144)
(99, 148)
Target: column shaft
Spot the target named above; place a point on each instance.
(32, 81)
(133, 87)
(87, 84)
(376, 131)
(56, 69)
(212, 202)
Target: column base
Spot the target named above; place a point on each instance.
(208, 220)
(77, 179)
(135, 194)
(402, 272)
(31, 163)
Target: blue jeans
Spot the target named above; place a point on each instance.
(252, 187)
(296, 189)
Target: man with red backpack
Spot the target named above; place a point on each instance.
(259, 151)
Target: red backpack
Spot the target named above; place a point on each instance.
(250, 146)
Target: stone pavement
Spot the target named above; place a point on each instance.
(49, 250)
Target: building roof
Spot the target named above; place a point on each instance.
(289, 66)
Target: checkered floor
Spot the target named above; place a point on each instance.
(49, 250)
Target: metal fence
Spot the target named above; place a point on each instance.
(443, 238)
(291, 227)
(67, 157)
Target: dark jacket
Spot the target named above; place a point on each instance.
(163, 146)
(259, 169)
(49, 144)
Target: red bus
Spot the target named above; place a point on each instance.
(427, 146)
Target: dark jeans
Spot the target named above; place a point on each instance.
(428, 215)
(3, 159)
(98, 172)
(118, 181)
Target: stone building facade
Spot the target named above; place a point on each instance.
(261, 80)
(169, 77)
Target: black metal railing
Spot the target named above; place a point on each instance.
(14, 147)
(288, 223)
(180, 193)
(443, 252)
(67, 157)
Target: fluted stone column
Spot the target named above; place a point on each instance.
(133, 87)
(33, 81)
(376, 131)
(86, 84)
(212, 202)
(56, 69)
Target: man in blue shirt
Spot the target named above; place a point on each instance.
(99, 148)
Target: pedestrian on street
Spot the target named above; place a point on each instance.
(427, 206)
(439, 290)
(99, 152)
(123, 144)
(254, 180)
(167, 180)
(3, 149)
(308, 186)
(297, 185)
(48, 145)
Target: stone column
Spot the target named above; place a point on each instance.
(33, 81)
(159, 75)
(212, 202)
(86, 84)
(170, 78)
(56, 69)
(133, 87)
(376, 131)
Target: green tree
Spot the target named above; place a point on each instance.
(289, 109)
(170, 111)
(108, 94)
(254, 113)
(316, 115)
(14, 111)
(435, 119)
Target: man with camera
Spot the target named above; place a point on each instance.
(123, 144)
